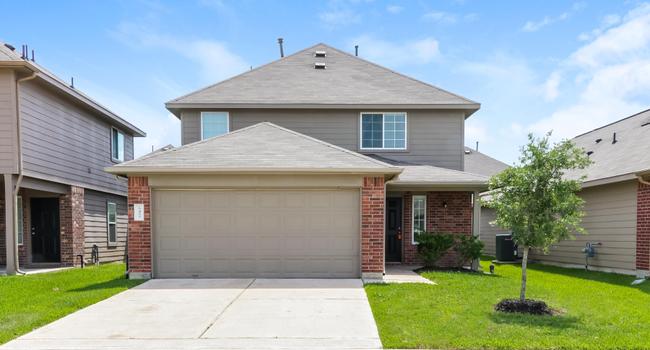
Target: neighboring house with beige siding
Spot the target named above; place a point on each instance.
(55, 143)
(319, 164)
(617, 201)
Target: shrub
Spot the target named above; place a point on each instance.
(468, 249)
(528, 306)
(432, 245)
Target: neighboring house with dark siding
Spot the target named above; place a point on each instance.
(55, 143)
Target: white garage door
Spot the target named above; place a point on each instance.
(274, 233)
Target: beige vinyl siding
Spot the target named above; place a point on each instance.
(96, 231)
(610, 218)
(66, 143)
(489, 232)
(8, 142)
(434, 137)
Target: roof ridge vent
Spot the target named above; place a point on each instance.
(320, 53)
(320, 65)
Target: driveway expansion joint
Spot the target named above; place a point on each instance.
(226, 308)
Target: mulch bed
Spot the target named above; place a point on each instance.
(528, 306)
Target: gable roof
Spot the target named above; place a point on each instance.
(616, 161)
(10, 58)
(480, 163)
(260, 148)
(346, 82)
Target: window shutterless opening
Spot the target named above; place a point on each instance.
(111, 223)
(418, 216)
(117, 145)
(383, 131)
(214, 124)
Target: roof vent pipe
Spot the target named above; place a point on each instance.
(280, 41)
(33, 55)
(614, 140)
(476, 146)
(356, 50)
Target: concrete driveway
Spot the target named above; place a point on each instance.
(218, 313)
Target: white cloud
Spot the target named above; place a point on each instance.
(612, 75)
(215, 61)
(394, 9)
(420, 51)
(440, 17)
(533, 26)
(551, 86)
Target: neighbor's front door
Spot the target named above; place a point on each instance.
(45, 230)
(393, 229)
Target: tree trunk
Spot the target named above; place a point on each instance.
(524, 264)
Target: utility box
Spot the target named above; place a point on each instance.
(505, 247)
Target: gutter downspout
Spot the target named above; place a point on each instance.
(20, 163)
(641, 180)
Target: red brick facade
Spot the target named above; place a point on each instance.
(71, 211)
(446, 212)
(373, 200)
(139, 244)
(643, 228)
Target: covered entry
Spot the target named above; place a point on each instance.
(283, 233)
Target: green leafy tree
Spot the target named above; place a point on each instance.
(535, 200)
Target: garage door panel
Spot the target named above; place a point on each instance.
(256, 233)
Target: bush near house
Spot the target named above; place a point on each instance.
(434, 245)
(29, 302)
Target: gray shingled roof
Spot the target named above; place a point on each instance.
(346, 81)
(480, 163)
(261, 148)
(6, 54)
(630, 154)
(431, 175)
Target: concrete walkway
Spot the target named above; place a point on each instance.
(218, 314)
(402, 274)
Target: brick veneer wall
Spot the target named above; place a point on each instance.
(455, 218)
(373, 201)
(643, 228)
(3, 241)
(139, 232)
(71, 212)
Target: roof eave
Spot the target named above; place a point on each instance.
(176, 107)
(477, 185)
(147, 170)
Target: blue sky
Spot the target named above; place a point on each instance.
(534, 66)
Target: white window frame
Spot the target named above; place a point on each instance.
(201, 121)
(109, 223)
(383, 132)
(414, 197)
(117, 159)
(20, 221)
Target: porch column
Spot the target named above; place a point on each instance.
(373, 200)
(476, 223)
(139, 231)
(71, 214)
(10, 235)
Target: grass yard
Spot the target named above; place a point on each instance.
(28, 302)
(601, 311)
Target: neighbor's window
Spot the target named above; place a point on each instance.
(19, 220)
(419, 216)
(117, 145)
(111, 220)
(214, 124)
(383, 130)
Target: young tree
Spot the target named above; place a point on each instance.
(535, 201)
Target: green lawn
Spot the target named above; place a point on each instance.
(28, 302)
(600, 311)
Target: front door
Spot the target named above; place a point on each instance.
(393, 229)
(45, 230)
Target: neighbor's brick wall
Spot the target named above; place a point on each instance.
(139, 232)
(455, 218)
(71, 212)
(373, 200)
(3, 241)
(643, 228)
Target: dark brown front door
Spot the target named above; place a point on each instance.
(46, 242)
(393, 229)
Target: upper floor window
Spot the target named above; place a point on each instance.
(383, 130)
(117, 145)
(214, 124)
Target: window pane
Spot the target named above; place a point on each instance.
(419, 214)
(117, 145)
(371, 131)
(395, 134)
(214, 124)
(112, 233)
(111, 213)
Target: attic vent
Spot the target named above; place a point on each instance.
(320, 54)
(590, 153)
(598, 140)
(319, 65)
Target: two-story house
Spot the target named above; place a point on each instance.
(57, 202)
(319, 164)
